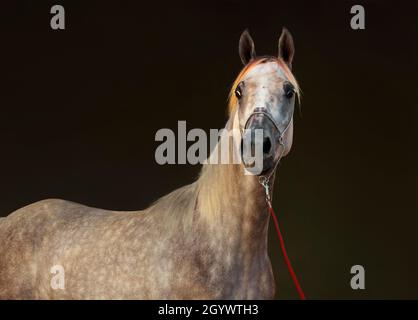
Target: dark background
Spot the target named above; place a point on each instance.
(80, 108)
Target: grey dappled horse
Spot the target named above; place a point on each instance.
(206, 240)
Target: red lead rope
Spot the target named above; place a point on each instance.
(286, 258)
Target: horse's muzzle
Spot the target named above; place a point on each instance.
(260, 143)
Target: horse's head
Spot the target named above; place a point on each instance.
(263, 97)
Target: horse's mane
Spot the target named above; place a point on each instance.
(232, 100)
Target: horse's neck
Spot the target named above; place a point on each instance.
(230, 201)
(233, 206)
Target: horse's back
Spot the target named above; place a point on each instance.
(36, 221)
(40, 236)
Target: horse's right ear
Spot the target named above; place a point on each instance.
(246, 47)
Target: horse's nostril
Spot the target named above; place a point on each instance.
(266, 145)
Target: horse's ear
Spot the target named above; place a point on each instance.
(286, 47)
(246, 47)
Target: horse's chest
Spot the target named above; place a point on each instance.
(227, 277)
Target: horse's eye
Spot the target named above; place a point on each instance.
(289, 90)
(238, 92)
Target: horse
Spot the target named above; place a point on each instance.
(205, 240)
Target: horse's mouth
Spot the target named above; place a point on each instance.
(269, 164)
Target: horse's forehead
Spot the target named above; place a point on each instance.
(268, 71)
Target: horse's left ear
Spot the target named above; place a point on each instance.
(246, 47)
(286, 47)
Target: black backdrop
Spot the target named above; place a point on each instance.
(80, 108)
